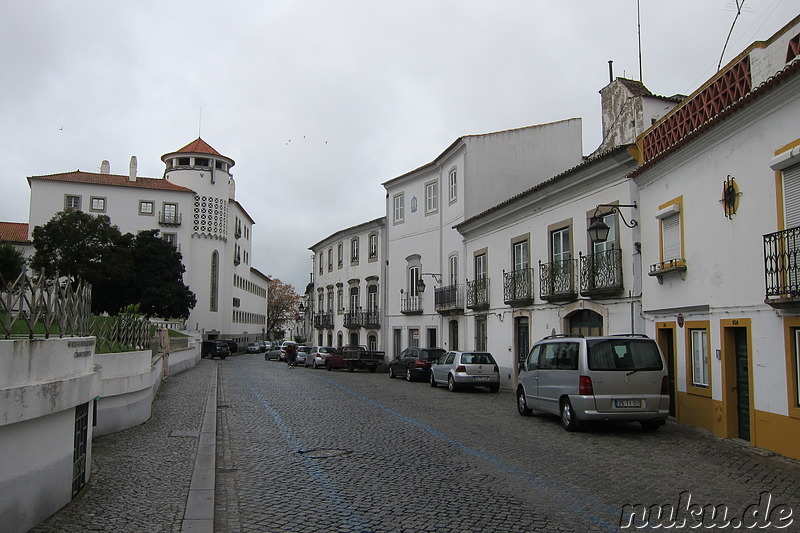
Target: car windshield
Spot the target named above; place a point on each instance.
(623, 354)
(326, 350)
(477, 359)
(304, 349)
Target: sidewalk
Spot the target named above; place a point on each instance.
(158, 476)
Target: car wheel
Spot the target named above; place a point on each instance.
(494, 388)
(451, 384)
(408, 375)
(433, 381)
(568, 419)
(391, 373)
(522, 404)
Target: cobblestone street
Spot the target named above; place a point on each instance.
(309, 450)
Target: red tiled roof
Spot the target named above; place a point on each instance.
(199, 146)
(13, 232)
(112, 180)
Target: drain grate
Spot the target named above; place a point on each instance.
(324, 453)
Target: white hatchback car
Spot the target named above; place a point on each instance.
(466, 369)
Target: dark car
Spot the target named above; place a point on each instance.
(414, 363)
(232, 346)
(215, 348)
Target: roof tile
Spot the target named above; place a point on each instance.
(13, 232)
(112, 180)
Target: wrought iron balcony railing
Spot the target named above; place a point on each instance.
(352, 319)
(371, 319)
(323, 320)
(478, 293)
(782, 265)
(518, 287)
(557, 280)
(449, 299)
(169, 219)
(601, 273)
(411, 305)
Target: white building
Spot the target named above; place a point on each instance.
(471, 175)
(347, 299)
(719, 189)
(194, 207)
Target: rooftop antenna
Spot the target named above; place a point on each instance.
(639, 27)
(200, 123)
(739, 6)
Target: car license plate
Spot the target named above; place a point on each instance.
(627, 403)
(481, 378)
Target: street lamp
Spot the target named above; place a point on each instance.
(598, 230)
(421, 284)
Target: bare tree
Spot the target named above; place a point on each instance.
(282, 307)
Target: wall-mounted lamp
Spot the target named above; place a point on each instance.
(598, 230)
(421, 284)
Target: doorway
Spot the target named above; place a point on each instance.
(665, 337)
(585, 322)
(522, 335)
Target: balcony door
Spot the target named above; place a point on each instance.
(791, 219)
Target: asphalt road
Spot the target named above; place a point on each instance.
(310, 450)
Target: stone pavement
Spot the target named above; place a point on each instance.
(156, 477)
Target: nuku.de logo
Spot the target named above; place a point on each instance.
(688, 515)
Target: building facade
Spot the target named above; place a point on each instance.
(346, 301)
(194, 207)
(423, 206)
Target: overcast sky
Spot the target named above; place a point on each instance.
(320, 101)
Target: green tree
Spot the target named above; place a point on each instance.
(12, 262)
(158, 281)
(77, 245)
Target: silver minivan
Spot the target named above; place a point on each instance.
(619, 377)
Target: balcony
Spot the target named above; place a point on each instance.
(601, 274)
(665, 268)
(557, 281)
(371, 319)
(782, 269)
(169, 219)
(518, 287)
(237, 258)
(478, 293)
(323, 320)
(411, 305)
(352, 319)
(449, 300)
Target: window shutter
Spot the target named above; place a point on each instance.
(671, 233)
(791, 196)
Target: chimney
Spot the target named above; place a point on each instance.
(105, 167)
(610, 71)
(132, 173)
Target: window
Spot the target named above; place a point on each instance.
(321, 269)
(340, 298)
(413, 338)
(796, 358)
(98, 204)
(330, 259)
(671, 245)
(214, 281)
(330, 300)
(431, 197)
(170, 213)
(146, 207)
(354, 250)
(354, 299)
(72, 202)
(340, 254)
(373, 246)
(372, 297)
(452, 186)
(399, 208)
(699, 346)
(480, 266)
(171, 238)
(413, 278)
(520, 256)
(453, 270)
(610, 220)
(321, 302)
(560, 252)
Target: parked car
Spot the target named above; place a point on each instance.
(465, 369)
(315, 358)
(302, 354)
(279, 352)
(232, 345)
(253, 347)
(621, 377)
(214, 348)
(414, 363)
(354, 357)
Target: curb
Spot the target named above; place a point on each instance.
(199, 514)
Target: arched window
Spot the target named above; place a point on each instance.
(214, 282)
